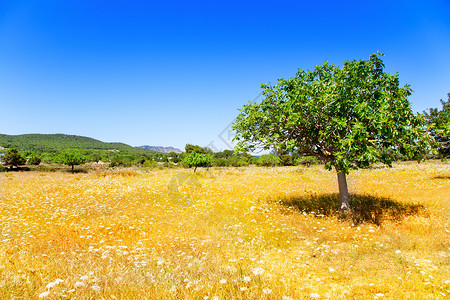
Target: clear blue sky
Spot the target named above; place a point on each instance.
(175, 72)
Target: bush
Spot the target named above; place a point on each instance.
(268, 160)
(34, 161)
(43, 168)
(307, 161)
(150, 164)
(238, 161)
(221, 162)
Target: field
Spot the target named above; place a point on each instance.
(221, 234)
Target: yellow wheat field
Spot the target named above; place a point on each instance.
(169, 235)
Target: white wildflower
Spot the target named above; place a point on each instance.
(314, 295)
(223, 281)
(267, 291)
(95, 288)
(398, 251)
(85, 277)
(247, 278)
(331, 270)
(50, 285)
(44, 294)
(79, 284)
(244, 288)
(258, 271)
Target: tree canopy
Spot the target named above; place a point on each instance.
(438, 121)
(12, 158)
(196, 160)
(345, 116)
(72, 157)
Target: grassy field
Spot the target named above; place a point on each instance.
(221, 234)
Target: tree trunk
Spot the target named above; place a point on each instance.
(72, 168)
(344, 198)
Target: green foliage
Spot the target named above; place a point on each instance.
(196, 160)
(268, 160)
(150, 164)
(238, 161)
(195, 148)
(71, 157)
(307, 160)
(12, 158)
(438, 122)
(344, 116)
(34, 161)
(48, 158)
(54, 143)
(221, 162)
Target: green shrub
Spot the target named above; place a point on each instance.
(268, 160)
(221, 162)
(307, 161)
(34, 161)
(150, 164)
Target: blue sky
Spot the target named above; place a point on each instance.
(171, 73)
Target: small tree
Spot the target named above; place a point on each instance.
(345, 116)
(12, 158)
(268, 160)
(71, 157)
(196, 160)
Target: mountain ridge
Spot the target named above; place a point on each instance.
(56, 142)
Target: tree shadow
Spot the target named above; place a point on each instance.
(365, 208)
(441, 177)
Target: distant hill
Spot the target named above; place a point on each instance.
(161, 149)
(58, 142)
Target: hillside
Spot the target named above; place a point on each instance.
(58, 142)
(161, 149)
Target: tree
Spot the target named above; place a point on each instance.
(196, 160)
(268, 160)
(12, 158)
(195, 148)
(439, 126)
(71, 157)
(344, 116)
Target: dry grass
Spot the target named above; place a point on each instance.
(164, 235)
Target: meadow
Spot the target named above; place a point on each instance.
(223, 233)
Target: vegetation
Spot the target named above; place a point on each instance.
(118, 235)
(345, 116)
(54, 143)
(71, 157)
(196, 160)
(12, 158)
(438, 121)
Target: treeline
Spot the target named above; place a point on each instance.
(195, 156)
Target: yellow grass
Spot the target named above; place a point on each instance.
(168, 235)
